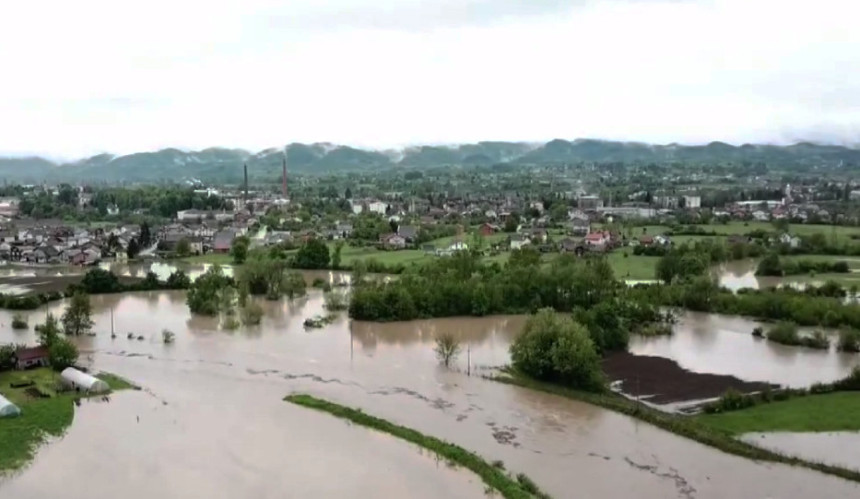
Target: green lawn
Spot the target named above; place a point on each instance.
(633, 267)
(40, 417)
(830, 412)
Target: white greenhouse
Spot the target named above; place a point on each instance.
(8, 409)
(83, 382)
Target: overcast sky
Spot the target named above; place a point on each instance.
(89, 76)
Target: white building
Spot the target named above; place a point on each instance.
(692, 202)
(377, 207)
(82, 382)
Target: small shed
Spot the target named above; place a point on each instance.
(8, 409)
(83, 382)
(25, 358)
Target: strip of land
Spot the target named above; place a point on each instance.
(492, 475)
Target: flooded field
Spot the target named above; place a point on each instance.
(840, 448)
(212, 420)
(720, 344)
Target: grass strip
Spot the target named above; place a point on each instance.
(836, 411)
(492, 475)
(40, 418)
(684, 426)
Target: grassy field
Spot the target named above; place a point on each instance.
(40, 417)
(492, 474)
(633, 267)
(829, 412)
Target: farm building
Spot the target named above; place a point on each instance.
(82, 382)
(25, 358)
(8, 409)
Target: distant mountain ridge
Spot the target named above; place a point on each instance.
(225, 165)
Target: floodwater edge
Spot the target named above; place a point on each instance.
(683, 426)
(492, 474)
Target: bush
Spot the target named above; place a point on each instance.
(849, 340)
(167, 336)
(447, 348)
(554, 348)
(850, 382)
(758, 332)
(19, 321)
(732, 400)
(335, 301)
(655, 329)
(318, 282)
(62, 354)
(784, 333)
(818, 340)
(252, 314)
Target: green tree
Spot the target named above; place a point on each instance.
(48, 332)
(178, 280)
(770, 265)
(77, 318)
(133, 249)
(312, 255)
(203, 295)
(183, 248)
(19, 321)
(62, 354)
(294, 285)
(335, 257)
(512, 223)
(558, 213)
(524, 257)
(239, 249)
(553, 347)
(145, 235)
(447, 348)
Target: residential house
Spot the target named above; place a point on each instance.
(8, 236)
(789, 240)
(377, 207)
(538, 235)
(598, 240)
(646, 240)
(113, 210)
(344, 229)
(223, 241)
(760, 216)
(580, 226)
(9, 206)
(692, 202)
(458, 246)
(487, 229)
(569, 245)
(408, 232)
(27, 358)
(518, 241)
(590, 203)
(191, 215)
(393, 241)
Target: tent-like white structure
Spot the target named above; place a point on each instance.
(82, 382)
(8, 409)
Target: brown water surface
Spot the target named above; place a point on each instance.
(212, 422)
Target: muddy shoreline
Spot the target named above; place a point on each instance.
(662, 381)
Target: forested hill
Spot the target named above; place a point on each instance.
(220, 164)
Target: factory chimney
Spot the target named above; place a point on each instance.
(246, 182)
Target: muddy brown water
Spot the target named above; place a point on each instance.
(212, 422)
(722, 344)
(839, 448)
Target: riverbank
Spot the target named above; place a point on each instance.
(680, 425)
(492, 474)
(45, 413)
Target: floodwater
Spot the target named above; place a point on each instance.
(740, 274)
(213, 423)
(838, 448)
(722, 344)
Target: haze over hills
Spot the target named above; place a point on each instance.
(225, 165)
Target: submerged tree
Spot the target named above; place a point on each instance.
(48, 332)
(77, 318)
(447, 348)
(62, 354)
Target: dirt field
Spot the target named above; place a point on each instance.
(663, 381)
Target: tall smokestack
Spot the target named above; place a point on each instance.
(246, 182)
(284, 176)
